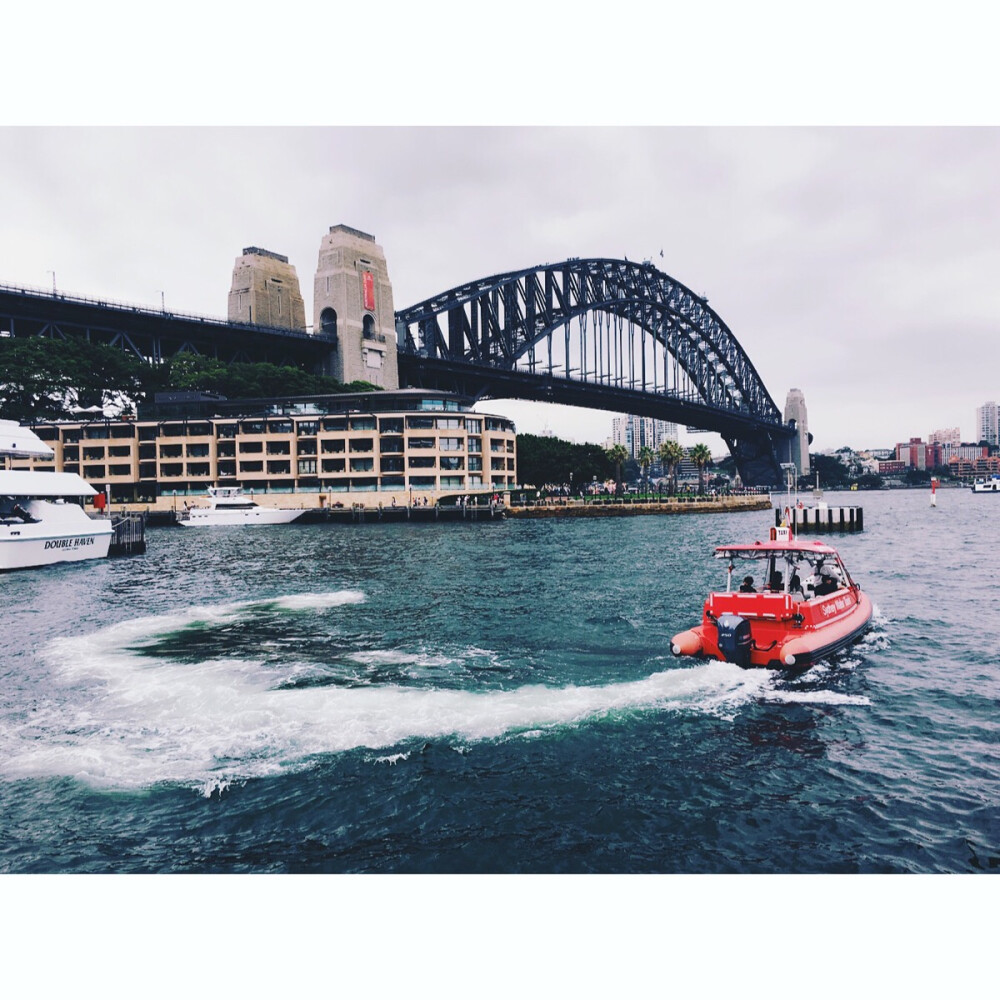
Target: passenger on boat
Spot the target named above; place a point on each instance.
(775, 583)
(795, 588)
(747, 587)
(827, 584)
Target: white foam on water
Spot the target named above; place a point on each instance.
(816, 698)
(317, 602)
(125, 719)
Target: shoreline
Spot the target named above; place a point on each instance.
(627, 508)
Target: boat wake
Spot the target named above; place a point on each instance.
(125, 713)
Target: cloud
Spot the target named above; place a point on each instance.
(857, 264)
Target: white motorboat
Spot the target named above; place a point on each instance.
(230, 505)
(42, 520)
(983, 485)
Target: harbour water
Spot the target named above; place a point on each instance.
(496, 697)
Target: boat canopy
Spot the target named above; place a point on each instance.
(21, 442)
(22, 483)
(764, 550)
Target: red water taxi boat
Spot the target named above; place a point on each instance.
(787, 603)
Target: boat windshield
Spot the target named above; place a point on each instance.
(801, 574)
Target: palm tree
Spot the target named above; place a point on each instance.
(671, 455)
(701, 457)
(618, 456)
(645, 461)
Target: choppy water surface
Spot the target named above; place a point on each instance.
(496, 698)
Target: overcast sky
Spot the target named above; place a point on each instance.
(858, 264)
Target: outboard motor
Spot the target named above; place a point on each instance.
(734, 639)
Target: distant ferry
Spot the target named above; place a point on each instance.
(991, 485)
(230, 505)
(42, 520)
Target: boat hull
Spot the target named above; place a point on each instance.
(207, 518)
(808, 632)
(62, 536)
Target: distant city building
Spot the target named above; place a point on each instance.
(881, 454)
(917, 454)
(639, 432)
(967, 452)
(987, 424)
(890, 468)
(795, 410)
(949, 435)
(986, 465)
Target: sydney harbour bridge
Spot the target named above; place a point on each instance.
(599, 333)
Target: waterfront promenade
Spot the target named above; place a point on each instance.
(629, 507)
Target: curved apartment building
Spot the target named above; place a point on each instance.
(399, 445)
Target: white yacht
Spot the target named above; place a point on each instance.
(230, 505)
(42, 520)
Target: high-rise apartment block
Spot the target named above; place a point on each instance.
(641, 432)
(948, 436)
(986, 424)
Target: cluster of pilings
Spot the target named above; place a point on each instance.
(810, 520)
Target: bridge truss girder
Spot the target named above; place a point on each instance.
(497, 324)
(153, 335)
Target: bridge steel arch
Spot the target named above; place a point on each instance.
(634, 340)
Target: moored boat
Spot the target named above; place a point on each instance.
(42, 520)
(229, 505)
(807, 608)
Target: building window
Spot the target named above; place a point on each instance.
(452, 462)
(362, 465)
(422, 442)
(307, 466)
(475, 444)
(333, 447)
(451, 444)
(422, 462)
(363, 444)
(362, 423)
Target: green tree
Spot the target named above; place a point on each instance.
(43, 378)
(702, 458)
(618, 456)
(671, 455)
(543, 460)
(646, 457)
